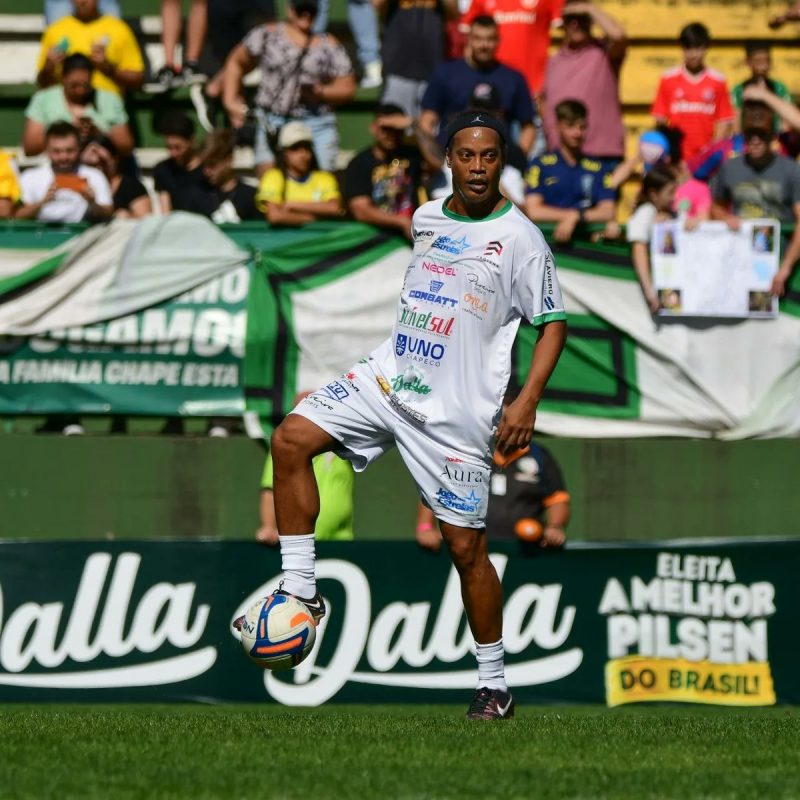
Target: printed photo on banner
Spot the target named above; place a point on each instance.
(712, 271)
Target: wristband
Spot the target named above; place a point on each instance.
(425, 526)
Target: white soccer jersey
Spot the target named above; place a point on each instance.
(468, 285)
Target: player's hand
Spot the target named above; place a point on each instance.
(516, 426)
(98, 58)
(267, 536)
(553, 537)
(429, 539)
(87, 193)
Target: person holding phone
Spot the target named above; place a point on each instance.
(93, 111)
(63, 189)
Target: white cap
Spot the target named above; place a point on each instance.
(293, 133)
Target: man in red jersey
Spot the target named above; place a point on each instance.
(693, 98)
(524, 33)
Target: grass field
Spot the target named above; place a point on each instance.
(364, 752)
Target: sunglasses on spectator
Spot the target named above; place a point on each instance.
(757, 133)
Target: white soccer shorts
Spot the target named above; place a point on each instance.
(362, 412)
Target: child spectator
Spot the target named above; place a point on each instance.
(175, 177)
(107, 41)
(128, 193)
(693, 98)
(655, 204)
(759, 59)
(63, 189)
(91, 111)
(564, 185)
(295, 192)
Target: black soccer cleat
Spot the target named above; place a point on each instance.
(491, 704)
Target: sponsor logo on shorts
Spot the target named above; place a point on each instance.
(427, 321)
(463, 475)
(449, 245)
(335, 390)
(470, 504)
(438, 269)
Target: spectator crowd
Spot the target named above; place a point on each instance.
(715, 151)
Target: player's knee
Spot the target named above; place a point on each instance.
(466, 551)
(288, 442)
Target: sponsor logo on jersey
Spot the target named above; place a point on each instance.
(549, 304)
(476, 305)
(449, 245)
(415, 385)
(493, 248)
(433, 295)
(477, 286)
(469, 504)
(397, 403)
(439, 269)
(420, 236)
(427, 321)
(414, 346)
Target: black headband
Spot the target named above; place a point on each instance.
(476, 119)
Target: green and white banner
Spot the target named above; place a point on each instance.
(173, 316)
(709, 622)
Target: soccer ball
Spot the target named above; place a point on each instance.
(278, 632)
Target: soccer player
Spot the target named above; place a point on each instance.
(435, 387)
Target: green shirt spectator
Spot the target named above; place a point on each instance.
(50, 105)
(335, 480)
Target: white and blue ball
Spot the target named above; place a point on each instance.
(278, 632)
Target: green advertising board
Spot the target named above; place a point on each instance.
(710, 622)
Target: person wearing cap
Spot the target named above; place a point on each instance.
(295, 192)
(587, 69)
(434, 388)
(382, 183)
(564, 185)
(760, 184)
(452, 84)
(128, 193)
(304, 76)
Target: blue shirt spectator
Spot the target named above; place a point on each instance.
(567, 187)
(453, 83)
(581, 185)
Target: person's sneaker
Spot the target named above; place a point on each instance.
(74, 429)
(207, 108)
(315, 606)
(166, 78)
(491, 704)
(192, 74)
(372, 77)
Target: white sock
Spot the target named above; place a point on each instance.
(491, 670)
(297, 557)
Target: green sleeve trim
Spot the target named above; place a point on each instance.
(553, 316)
